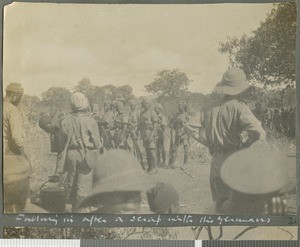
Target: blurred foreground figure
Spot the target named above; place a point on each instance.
(229, 125)
(118, 181)
(163, 199)
(258, 178)
(16, 164)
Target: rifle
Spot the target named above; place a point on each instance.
(137, 148)
(106, 140)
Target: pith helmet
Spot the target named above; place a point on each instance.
(233, 82)
(257, 171)
(117, 171)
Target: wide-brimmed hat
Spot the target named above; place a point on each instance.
(258, 170)
(233, 82)
(117, 171)
(15, 88)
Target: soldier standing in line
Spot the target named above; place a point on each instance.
(181, 138)
(148, 126)
(16, 166)
(161, 128)
(121, 125)
(105, 124)
(83, 139)
(133, 120)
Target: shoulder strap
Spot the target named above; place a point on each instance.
(77, 134)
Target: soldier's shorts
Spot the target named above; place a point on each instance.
(149, 144)
(79, 178)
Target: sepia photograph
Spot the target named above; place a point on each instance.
(150, 109)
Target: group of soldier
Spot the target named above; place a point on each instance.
(148, 125)
(101, 174)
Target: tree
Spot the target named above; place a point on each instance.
(57, 98)
(169, 83)
(268, 55)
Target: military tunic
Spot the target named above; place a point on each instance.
(121, 120)
(224, 122)
(147, 120)
(15, 166)
(79, 178)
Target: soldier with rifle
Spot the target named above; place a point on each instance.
(160, 143)
(181, 138)
(120, 126)
(133, 120)
(105, 125)
(148, 126)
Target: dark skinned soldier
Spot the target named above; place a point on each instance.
(181, 138)
(147, 126)
(121, 125)
(105, 124)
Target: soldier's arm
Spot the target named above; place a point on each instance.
(251, 124)
(95, 135)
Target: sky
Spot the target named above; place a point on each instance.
(56, 45)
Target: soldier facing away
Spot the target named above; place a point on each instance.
(147, 126)
(83, 139)
(178, 124)
(224, 121)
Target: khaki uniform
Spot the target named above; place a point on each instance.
(161, 152)
(181, 138)
(147, 120)
(106, 124)
(15, 165)
(121, 120)
(79, 178)
(224, 122)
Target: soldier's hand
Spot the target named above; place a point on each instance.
(276, 205)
